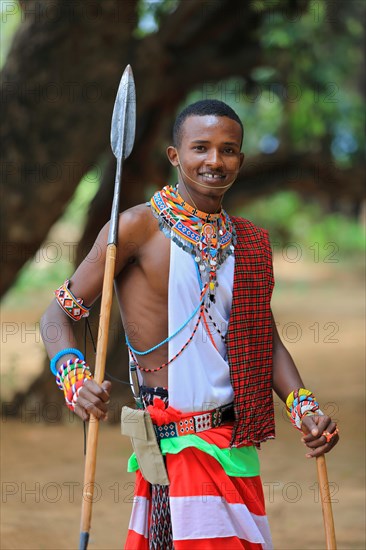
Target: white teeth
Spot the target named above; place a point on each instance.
(211, 176)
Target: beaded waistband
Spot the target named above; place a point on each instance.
(196, 422)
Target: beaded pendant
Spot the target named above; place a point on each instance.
(209, 238)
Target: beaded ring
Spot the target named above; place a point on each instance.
(328, 436)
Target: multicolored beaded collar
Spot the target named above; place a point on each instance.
(209, 238)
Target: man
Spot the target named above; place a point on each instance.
(194, 291)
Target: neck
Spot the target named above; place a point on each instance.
(206, 203)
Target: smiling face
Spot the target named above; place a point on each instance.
(208, 157)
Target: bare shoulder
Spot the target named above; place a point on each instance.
(135, 216)
(137, 224)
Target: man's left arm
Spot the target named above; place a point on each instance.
(286, 379)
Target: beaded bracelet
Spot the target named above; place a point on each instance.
(70, 378)
(66, 351)
(73, 394)
(70, 304)
(68, 370)
(71, 372)
(300, 403)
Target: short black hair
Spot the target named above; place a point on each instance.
(202, 108)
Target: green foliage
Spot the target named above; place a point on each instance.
(151, 13)
(305, 96)
(290, 219)
(76, 211)
(10, 19)
(320, 93)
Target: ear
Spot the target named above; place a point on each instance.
(242, 157)
(172, 155)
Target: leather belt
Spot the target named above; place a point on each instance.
(196, 422)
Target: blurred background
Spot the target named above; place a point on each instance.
(294, 72)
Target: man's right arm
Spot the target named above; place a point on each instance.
(86, 283)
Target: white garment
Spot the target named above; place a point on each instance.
(199, 379)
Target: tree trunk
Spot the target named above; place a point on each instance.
(59, 84)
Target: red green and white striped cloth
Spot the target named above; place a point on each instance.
(215, 495)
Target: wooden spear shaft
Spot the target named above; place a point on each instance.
(122, 139)
(93, 431)
(330, 539)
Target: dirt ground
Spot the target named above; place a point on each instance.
(319, 309)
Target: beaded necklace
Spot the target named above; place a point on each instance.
(209, 238)
(134, 352)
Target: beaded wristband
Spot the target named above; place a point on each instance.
(69, 370)
(300, 403)
(70, 378)
(73, 393)
(66, 351)
(69, 381)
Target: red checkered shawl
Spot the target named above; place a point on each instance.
(249, 336)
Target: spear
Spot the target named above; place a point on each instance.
(122, 139)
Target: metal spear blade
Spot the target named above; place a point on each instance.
(122, 139)
(124, 116)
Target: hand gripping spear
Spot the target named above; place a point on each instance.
(122, 138)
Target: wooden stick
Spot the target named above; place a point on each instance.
(102, 344)
(330, 539)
